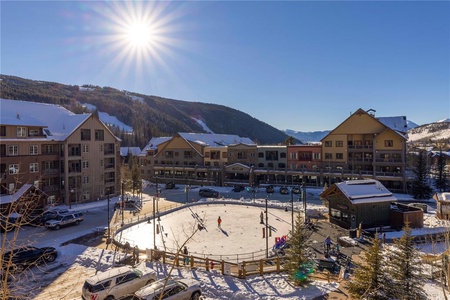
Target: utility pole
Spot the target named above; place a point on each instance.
(108, 241)
(267, 229)
(292, 211)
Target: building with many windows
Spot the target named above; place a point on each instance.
(71, 157)
(361, 147)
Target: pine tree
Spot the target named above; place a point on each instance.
(420, 188)
(299, 264)
(441, 180)
(405, 268)
(369, 279)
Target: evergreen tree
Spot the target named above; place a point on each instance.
(135, 175)
(441, 180)
(299, 264)
(369, 278)
(405, 268)
(420, 187)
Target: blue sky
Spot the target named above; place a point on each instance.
(301, 65)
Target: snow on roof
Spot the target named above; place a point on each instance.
(396, 123)
(212, 139)
(154, 142)
(14, 197)
(365, 191)
(133, 150)
(443, 196)
(59, 122)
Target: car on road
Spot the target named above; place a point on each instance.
(295, 190)
(117, 282)
(8, 223)
(40, 218)
(284, 190)
(238, 188)
(65, 220)
(175, 289)
(27, 256)
(170, 185)
(270, 189)
(207, 192)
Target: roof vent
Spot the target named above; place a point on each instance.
(18, 116)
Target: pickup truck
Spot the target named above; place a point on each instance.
(64, 220)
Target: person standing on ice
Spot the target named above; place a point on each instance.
(219, 221)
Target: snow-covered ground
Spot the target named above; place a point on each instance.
(240, 233)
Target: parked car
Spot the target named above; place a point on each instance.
(170, 185)
(117, 282)
(27, 256)
(207, 192)
(284, 190)
(270, 189)
(296, 190)
(8, 223)
(64, 220)
(238, 188)
(175, 289)
(40, 219)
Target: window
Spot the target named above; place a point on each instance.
(224, 154)
(101, 162)
(261, 154)
(339, 156)
(13, 169)
(271, 155)
(282, 155)
(85, 164)
(34, 168)
(242, 155)
(339, 144)
(168, 154)
(188, 154)
(85, 134)
(316, 156)
(328, 155)
(34, 150)
(85, 179)
(48, 149)
(21, 132)
(49, 165)
(33, 132)
(389, 143)
(328, 143)
(293, 155)
(2, 130)
(85, 148)
(99, 135)
(13, 150)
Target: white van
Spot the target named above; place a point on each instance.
(117, 282)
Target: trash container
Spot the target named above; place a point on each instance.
(352, 233)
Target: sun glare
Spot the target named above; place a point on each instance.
(139, 35)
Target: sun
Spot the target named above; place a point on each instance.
(139, 35)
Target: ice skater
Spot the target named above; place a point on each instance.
(219, 221)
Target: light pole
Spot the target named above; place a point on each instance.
(304, 198)
(267, 229)
(154, 224)
(108, 240)
(70, 198)
(122, 206)
(292, 211)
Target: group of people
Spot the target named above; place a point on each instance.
(327, 247)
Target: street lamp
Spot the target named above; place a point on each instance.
(72, 192)
(267, 229)
(304, 198)
(292, 211)
(108, 240)
(154, 224)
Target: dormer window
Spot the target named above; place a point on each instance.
(21, 131)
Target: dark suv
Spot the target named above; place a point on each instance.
(64, 220)
(27, 256)
(206, 192)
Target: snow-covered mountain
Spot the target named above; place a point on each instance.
(307, 137)
(436, 131)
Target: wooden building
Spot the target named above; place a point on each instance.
(355, 202)
(442, 205)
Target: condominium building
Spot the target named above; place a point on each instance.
(71, 157)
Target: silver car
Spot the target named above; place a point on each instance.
(117, 282)
(175, 289)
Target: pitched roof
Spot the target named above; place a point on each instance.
(395, 123)
(59, 122)
(363, 191)
(124, 151)
(215, 140)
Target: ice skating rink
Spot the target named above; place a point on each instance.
(240, 235)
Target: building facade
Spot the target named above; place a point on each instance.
(71, 157)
